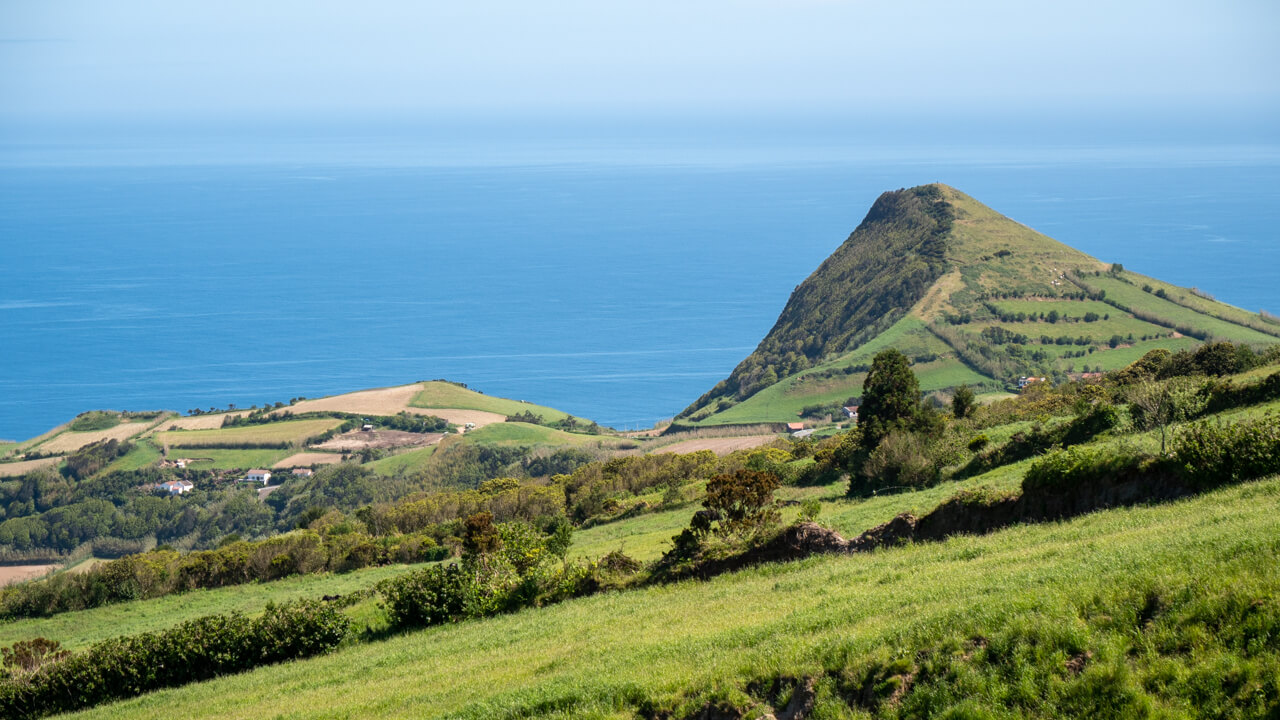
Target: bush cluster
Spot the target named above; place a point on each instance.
(161, 572)
(193, 650)
(1210, 453)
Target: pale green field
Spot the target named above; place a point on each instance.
(85, 627)
(526, 434)
(404, 462)
(143, 454)
(220, 459)
(1135, 297)
(604, 655)
(447, 395)
(289, 431)
(1184, 296)
(783, 401)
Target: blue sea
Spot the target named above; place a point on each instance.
(616, 289)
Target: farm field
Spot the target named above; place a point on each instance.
(1127, 294)
(599, 656)
(380, 401)
(307, 459)
(720, 446)
(278, 433)
(208, 421)
(231, 459)
(525, 434)
(70, 441)
(443, 395)
(13, 469)
(403, 462)
(21, 573)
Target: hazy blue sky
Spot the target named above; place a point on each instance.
(237, 63)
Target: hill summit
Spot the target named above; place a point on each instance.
(972, 297)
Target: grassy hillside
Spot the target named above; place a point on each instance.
(438, 394)
(1001, 301)
(1035, 596)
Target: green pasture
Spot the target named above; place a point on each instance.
(447, 395)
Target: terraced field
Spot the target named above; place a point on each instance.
(289, 432)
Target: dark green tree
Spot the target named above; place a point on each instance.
(890, 397)
(962, 402)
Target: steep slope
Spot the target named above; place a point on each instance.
(970, 296)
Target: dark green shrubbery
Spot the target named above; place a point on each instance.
(194, 650)
(1079, 466)
(506, 567)
(1212, 454)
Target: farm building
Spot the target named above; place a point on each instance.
(795, 427)
(261, 476)
(302, 472)
(176, 487)
(851, 412)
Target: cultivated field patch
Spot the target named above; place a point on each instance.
(23, 467)
(279, 433)
(69, 441)
(356, 440)
(20, 573)
(307, 459)
(719, 446)
(383, 401)
(212, 421)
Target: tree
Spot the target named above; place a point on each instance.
(743, 500)
(890, 397)
(1160, 404)
(962, 402)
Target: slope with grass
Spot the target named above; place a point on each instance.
(1116, 593)
(446, 395)
(973, 297)
(277, 434)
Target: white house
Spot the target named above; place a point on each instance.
(261, 476)
(302, 472)
(851, 412)
(176, 487)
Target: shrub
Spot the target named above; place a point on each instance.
(743, 499)
(900, 460)
(1065, 469)
(1210, 453)
(979, 442)
(193, 650)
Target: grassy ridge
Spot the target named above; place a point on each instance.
(603, 656)
(448, 395)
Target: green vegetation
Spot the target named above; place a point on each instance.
(441, 394)
(523, 434)
(206, 458)
(270, 435)
(404, 462)
(94, 420)
(1001, 302)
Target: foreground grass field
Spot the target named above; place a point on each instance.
(85, 627)
(1077, 586)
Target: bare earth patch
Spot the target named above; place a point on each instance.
(384, 401)
(10, 574)
(382, 439)
(72, 441)
(26, 466)
(307, 459)
(198, 422)
(720, 446)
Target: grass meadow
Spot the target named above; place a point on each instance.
(448, 395)
(283, 433)
(1074, 585)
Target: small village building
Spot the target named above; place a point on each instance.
(851, 412)
(176, 487)
(1023, 382)
(302, 472)
(795, 427)
(366, 428)
(258, 476)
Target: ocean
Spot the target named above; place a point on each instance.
(618, 291)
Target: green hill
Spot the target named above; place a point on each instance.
(971, 297)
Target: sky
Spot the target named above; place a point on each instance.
(1144, 67)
